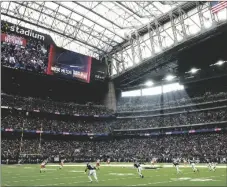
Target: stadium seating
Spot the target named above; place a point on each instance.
(32, 57)
(199, 146)
(51, 106)
(179, 98)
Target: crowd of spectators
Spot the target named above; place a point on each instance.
(17, 121)
(178, 98)
(50, 106)
(23, 52)
(164, 148)
(172, 120)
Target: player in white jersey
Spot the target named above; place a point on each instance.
(192, 163)
(108, 161)
(91, 172)
(61, 164)
(43, 166)
(153, 161)
(211, 165)
(185, 162)
(176, 163)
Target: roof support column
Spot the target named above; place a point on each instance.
(158, 34)
(150, 32)
(200, 15)
(117, 64)
(122, 60)
(133, 52)
(173, 28)
(212, 15)
(181, 18)
(139, 47)
(108, 63)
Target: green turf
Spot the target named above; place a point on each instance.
(28, 175)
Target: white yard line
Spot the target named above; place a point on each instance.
(127, 165)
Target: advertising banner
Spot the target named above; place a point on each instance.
(13, 39)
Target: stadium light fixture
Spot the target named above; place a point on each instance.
(193, 70)
(149, 83)
(169, 77)
(219, 63)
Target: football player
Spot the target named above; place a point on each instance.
(176, 163)
(139, 169)
(91, 171)
(98, 164)
(61, 164)
(192, 163)
(43, 166)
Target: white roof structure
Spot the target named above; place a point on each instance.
(126, 33)
(90, 28)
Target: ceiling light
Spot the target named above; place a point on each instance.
(194, 70)
(149, 83)
(220, 62)
(170, 77)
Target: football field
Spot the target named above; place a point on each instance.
(113, 175)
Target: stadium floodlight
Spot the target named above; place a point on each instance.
(219, 63)
(149, 83)
(169, 77)
(193, 70)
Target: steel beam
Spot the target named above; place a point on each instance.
(70, 9)
(158, 34)
(173, 28)
(54, 31)
(129, 9)
(181, 19)
(150, 32)
(133, 52)
(143, 30)
(98, 14)
(139, 48)
(122, 60)
(200, 15)
(68, 24)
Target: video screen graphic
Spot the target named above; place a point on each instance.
(70, 64)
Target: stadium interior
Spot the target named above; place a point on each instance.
(119, 82)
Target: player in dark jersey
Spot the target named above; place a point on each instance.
(139, 169)
(176, 163)
(92, 171)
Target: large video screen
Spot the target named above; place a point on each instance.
(26, 49)
(70, 64)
